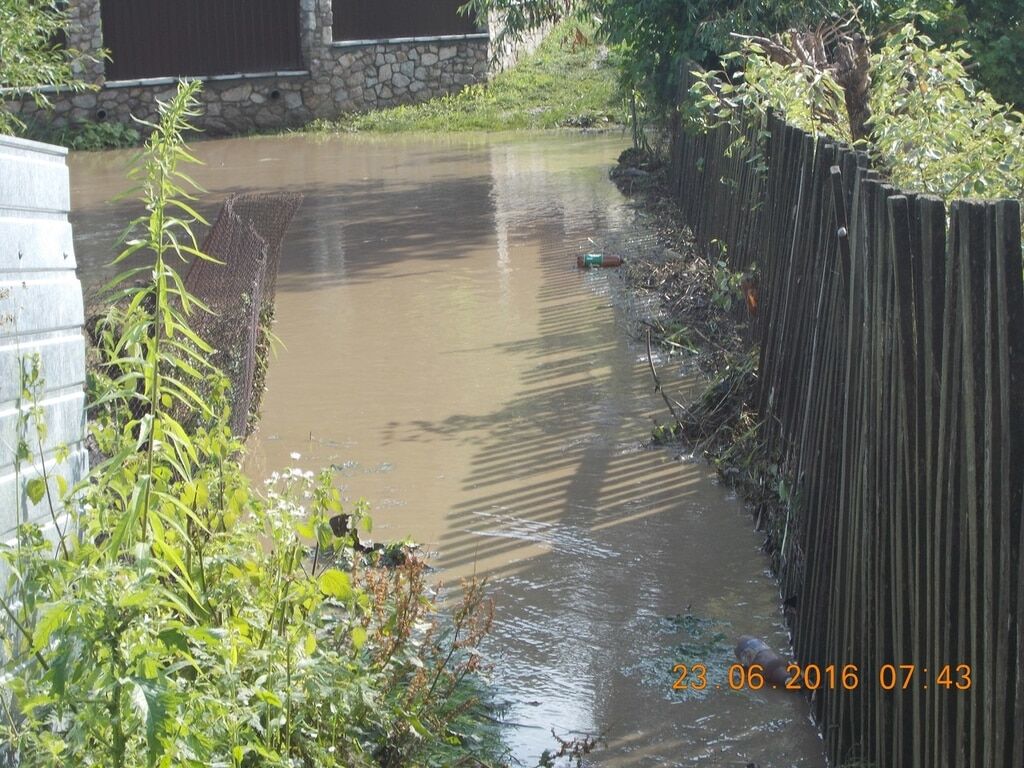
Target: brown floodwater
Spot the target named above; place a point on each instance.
(444, 354)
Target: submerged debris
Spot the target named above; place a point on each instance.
(751, 651)
(700, 311)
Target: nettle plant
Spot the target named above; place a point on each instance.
(187, 618)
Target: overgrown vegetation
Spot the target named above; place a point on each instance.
(656, 36)
(85, 136)
(935, 130)
(175, 614)
(569, 81)
(926, 123)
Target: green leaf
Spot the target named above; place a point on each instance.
(335, 583)
(150, 702)
(51, 617)
(358, 637)
(36, 489)
(269, 697)
(418, 727)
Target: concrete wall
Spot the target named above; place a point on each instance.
(505, 54)
(40, 311)
(336, 78)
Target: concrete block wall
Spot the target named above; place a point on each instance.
(40, 312)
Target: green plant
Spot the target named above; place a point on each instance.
(31, 53)
(992, 31)
(935, 130)
(931, 128)
(725, 283)
(89, 136)
(193, 619)
(753, 83)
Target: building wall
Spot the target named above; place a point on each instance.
(40, 313)
(338, 77)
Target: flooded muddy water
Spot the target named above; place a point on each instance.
(442, 351)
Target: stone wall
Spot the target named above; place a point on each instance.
(338, 78)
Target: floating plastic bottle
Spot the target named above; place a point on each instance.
(587, 260)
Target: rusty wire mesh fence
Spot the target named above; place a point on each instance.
(246, 239)
(891, 392)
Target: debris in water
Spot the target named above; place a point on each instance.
(587, 260)
(750, 651)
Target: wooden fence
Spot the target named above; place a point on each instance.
(891, 390)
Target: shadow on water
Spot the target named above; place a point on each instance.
(592, 541)
(393, 219)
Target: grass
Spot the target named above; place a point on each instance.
(570, 81)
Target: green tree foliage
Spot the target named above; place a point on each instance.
(992, 32)
(933, 129)
(657, 35)
(32, 53)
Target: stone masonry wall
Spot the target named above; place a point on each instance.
(338, 78)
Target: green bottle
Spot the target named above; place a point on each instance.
(587, 260)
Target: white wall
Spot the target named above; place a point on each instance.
(40, 311)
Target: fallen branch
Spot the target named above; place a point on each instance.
(672, 404)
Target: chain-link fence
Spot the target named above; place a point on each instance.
(239, 291)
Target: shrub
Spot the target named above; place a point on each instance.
(931, 127)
